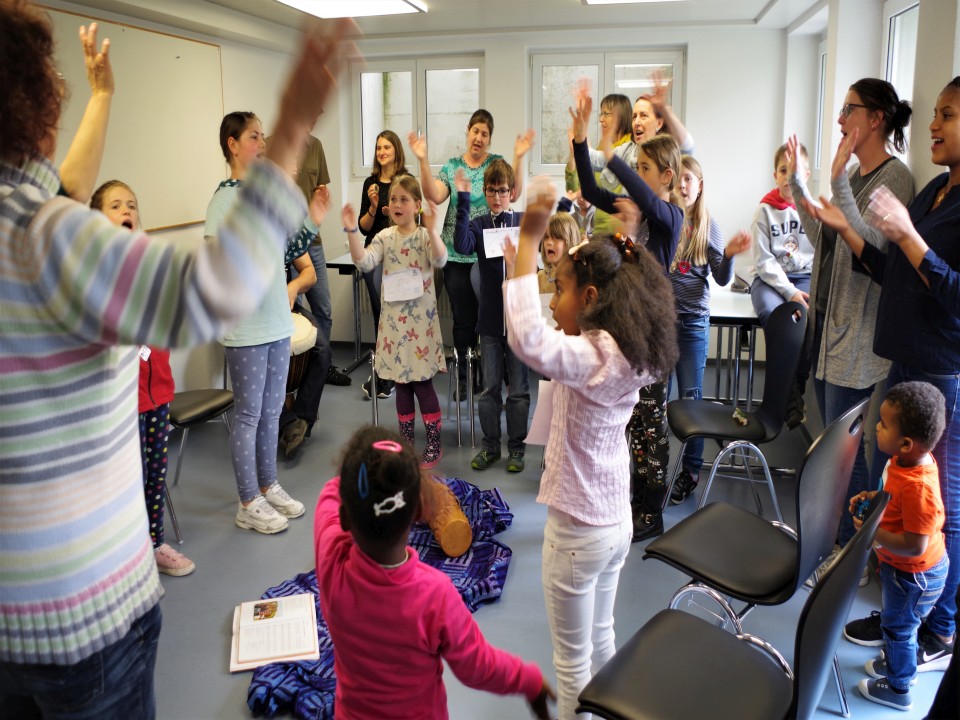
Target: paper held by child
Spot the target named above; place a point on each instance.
(275, 630)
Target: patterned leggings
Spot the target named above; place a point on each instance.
(154, 433)
(650, 446)
(426, 395)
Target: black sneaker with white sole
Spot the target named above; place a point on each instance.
(932, 653)
(337, 377)
(865, 631)
(683, 487)
(384, 388)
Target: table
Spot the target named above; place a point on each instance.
(733, 312)
(344, 266)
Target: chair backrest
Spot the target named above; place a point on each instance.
(825, 612)
(783, 339)
(822, 483)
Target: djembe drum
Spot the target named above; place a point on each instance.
(441, 511)
(304, 337)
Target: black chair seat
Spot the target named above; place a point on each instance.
(193, 407)
(691, 418)
(644, 679)
(732, 550)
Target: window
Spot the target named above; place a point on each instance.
(821, 104)
(901, 44)
(556, 75)
(436, 96)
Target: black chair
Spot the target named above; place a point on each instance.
(731, 553)
(690, 419)
(679, 666)
(190, 408)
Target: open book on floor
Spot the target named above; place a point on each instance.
(282, 629)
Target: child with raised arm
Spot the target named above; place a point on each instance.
(409, 347)
(392, 618)
(497, 361)
(562, 234)
(909, 544)
(609, 302)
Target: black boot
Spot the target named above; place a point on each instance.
(647, 515)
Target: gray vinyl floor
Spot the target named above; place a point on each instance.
(235, 565)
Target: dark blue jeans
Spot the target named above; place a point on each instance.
(693, 335)
(116, 682)
(907, 600)
(495, 356)
(319, 295)
(947, 454)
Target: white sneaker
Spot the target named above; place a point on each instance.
(282, 502)
(259, 515)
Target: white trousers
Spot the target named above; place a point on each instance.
(580, 570)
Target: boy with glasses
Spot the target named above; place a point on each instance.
(484, 235)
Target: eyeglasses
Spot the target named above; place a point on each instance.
(501, 191)
(848, 108)
(605, 113)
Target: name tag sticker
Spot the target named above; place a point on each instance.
(402, 285)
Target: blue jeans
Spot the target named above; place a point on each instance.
(766, 299)
(495, 356)
(907, 600)
(112, 683)
(693, 336)
(947, 454)
(319, 295)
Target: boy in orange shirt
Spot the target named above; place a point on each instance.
(909, 543)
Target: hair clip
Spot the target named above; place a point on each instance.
(388, 446)
(363, 485)
(389, 505)
(574, 252)
(627, 248)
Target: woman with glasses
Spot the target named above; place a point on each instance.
(843, 304)
(474, 163)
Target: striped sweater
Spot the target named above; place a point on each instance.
(76, 294)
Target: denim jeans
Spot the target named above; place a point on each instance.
(495, 357)
(907, 600)
(693, 335)
(319, 295)
(947, 455)
(580, 571)
(766, 299)
(116, 682)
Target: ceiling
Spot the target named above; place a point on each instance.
(225, 18)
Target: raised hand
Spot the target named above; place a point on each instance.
(582, 110)
(461, 181)
(661, 86)
(795, 162)
(373, 193)
(418, 144)
(629, 215)
(844, 151)
(319, 204)
(739, 243)
(349, 216)
(524, 143)
(509, 256)
(829, 214)
(428, 217)
(99, 69)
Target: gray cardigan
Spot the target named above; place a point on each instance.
(846, 352)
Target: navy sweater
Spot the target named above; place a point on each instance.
(916, 325)
(467, 239)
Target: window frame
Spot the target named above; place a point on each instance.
(418, 67)
(606, 62)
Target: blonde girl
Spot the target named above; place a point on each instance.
(608, 305)
(409, 348)
(563, 233)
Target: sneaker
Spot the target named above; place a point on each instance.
(865, 631)
(515, 464)
(259, 515)
(384, 388)
(281, 501)
(170, 562)
(461, 390)
(683, 487)
(877, 668)
(880, 691)
(484, 459)
(823, 567)
(647, 526)
(367, 391)
(932, 652)
(336, 377)
(292, 437)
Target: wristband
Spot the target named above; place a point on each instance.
(351, 230)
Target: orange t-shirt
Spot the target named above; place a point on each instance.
(915, 506)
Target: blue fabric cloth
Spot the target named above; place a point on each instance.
(307, 688)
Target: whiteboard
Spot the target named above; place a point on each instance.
(163, 135)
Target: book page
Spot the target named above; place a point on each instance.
(276, 628)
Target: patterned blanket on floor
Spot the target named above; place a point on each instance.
(307, 688)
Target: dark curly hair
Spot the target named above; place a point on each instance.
(31, 91)
(634, 302)
(879, 95)
(370, 477)
(232, 126)
(921, 411)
